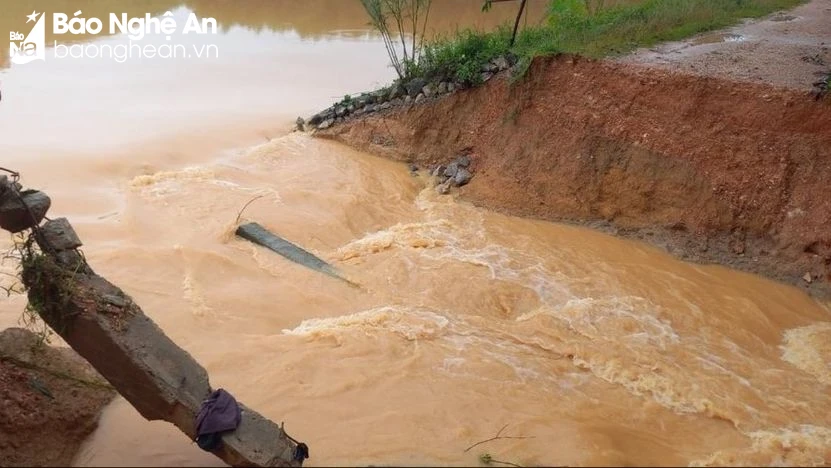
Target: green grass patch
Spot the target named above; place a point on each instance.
(462, 56)
(572, 28)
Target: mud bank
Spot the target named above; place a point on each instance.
(714, 171)
(50, 401)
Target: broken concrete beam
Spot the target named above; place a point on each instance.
(21, 210)
(108, 329)
(60, 235)
(259, 235)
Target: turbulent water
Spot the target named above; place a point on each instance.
(591, 349)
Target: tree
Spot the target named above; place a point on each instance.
(489, 3)
(401, 18)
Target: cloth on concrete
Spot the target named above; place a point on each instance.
(219, 413)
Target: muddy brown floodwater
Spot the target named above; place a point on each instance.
(595, 349)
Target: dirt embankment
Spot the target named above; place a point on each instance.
(714, 170)
(50, 400)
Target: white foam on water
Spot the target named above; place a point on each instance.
(809, 349)
(410, 323)
(804, 445)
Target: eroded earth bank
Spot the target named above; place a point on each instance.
(735, 173)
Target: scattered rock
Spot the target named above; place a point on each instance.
(451, 87)
(318, 118)
(408, 100)
(326, 124)
(463, 161)
(363, 100)
(428, 90)
(486, 76)
(437, 171)
(419, 98)
(413, 167)
(415, 86)
(300, 124)
(340, 111)
(396, 92)
(442, 88)
(451, 170)
(397, 101)
(385, 106)
(501, 63)
(808, 278)
(462, 177)
(444, 187)
(380, 95)
(490, 68)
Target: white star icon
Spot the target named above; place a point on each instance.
(33, 16)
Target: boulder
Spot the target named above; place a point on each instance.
(490, 68)
(415, 86)
(326, 124)
(385, 106)
(17, 212)
(442, 88)
(501, 63)
(300, 124)
(451, 169)
(463, 161)
(419, 98)
(451, 87)
(486, 76)
(396, 92)
(340, 111)
(428, 90)
(462, 177)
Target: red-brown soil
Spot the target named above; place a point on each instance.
(735, 173)
(50, 400)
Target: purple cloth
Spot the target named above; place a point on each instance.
(219, 413)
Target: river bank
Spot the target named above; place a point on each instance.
(50, 401)
(727, 165)
(687, 163)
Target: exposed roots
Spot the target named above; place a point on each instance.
(49, 286)
(50, 289)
